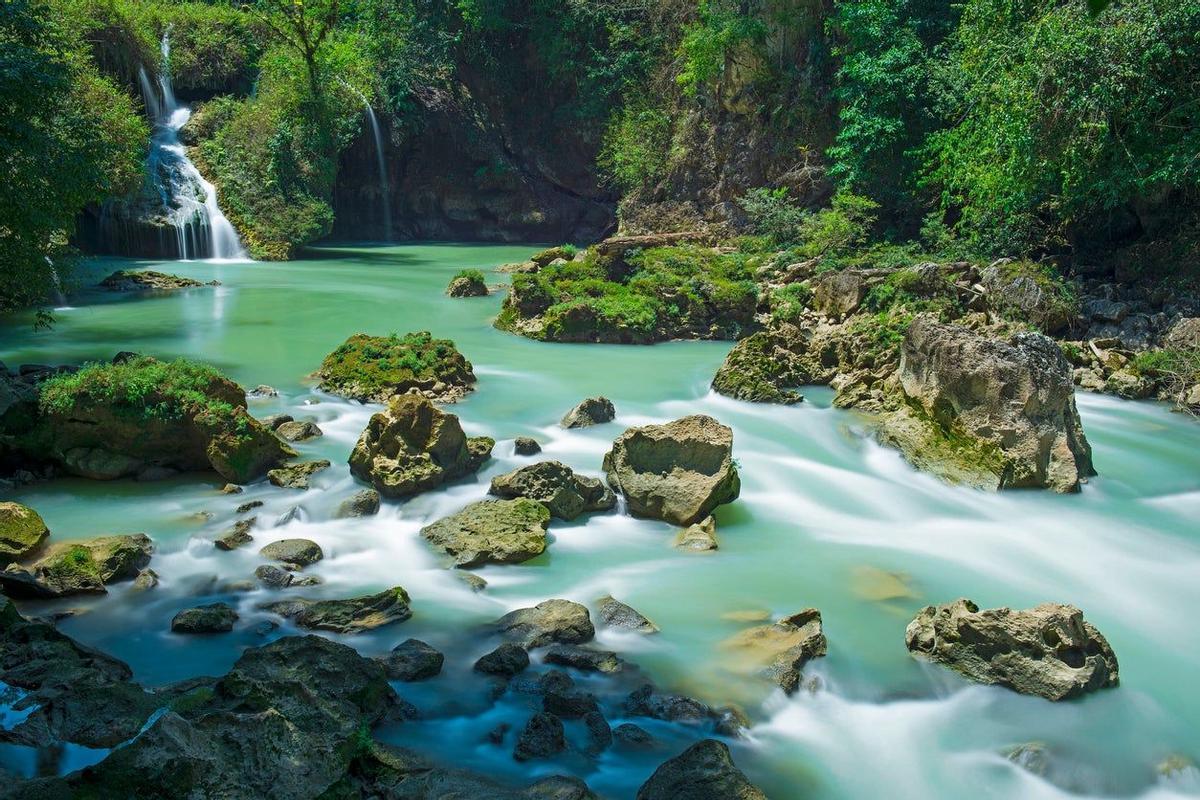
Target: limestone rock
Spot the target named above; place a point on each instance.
(781, 650)
(678, 472)
(22, 531)
(583, 659)
(646, 702)
(550, 621)
(467, 286)
(616, 614)
(146, 579)
(273, 577)
(79, 567)
(237, 535)
(840, 292)
(364, 503)
(592, 411)
(412, 660)
(211, 618)
(1184, 334)
(758, 369)
(297, 552)
(413, 446)
(1048, 650)
(375, 368)
(296, 476)
(705, 771)
(127, 280)
(554, 485)
(990, 413)
(353, 615)
(491, 532)
(293, 431)
(702, 536)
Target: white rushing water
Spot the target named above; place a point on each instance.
(189, 201)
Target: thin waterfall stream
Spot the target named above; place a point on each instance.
(189, 201)
(381, 165)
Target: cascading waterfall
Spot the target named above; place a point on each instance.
(381, 164)
(189, 202)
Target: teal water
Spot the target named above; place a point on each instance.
(826, 518)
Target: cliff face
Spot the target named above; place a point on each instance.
(473, 161)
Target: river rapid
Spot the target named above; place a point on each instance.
(826, 518)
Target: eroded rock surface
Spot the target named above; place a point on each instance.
(780, 650)
(557, 487)
(376, 368)
(1048, 650)
(678, 472)
(550, 621)
(413, 447)
(705, 771)
(491, 532)
(352, 615)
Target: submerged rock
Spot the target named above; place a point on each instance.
(127, 280)
(146, 579)
(182, 416)
(211, 618)
(557, 487)
(22, 531)
(1048, 650)
(413, 447)
(293, 431)
(593, 411)
(352, 615)
(678, 472)
(412, 660)
(273, 577)
(583, 659)
(297, 552)
(364, 503)
(996, 414)
(550, 621)
(375, 368)
(702, 536)
(781, 650)
(296, 476)
(79, 567)
(705, 771)
(491, 532)
(645, 702)
(616, 614)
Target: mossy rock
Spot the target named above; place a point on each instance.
(376, 368)
(83, 567)
(22, 531)
(757, 370)
(491, 532)
(468, 283)
(352, 615)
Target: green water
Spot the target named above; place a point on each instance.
(823, 512)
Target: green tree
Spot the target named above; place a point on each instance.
(68, 137)
(303, 25)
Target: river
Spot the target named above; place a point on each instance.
(826, 518)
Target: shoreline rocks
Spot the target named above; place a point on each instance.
(79, 567)
(677, 472)
(413, 446)
(491, 532)
(376, 368)
(1048, 650)
(468, 283)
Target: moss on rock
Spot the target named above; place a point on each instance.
(22, 530)
(375, 368)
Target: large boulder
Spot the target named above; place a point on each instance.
(557, 487)
(375, 368)
(781, 650)
(1028, 293)
(468, 283)
(1048, 650)
(840, 292)
(413, 447)
(352, 615)
(295, 552)
(142, 416)
(67, 692)
(542, 737)
(22, 531)
(550, 621)
(80, 567)
(491, 532)
(758, 369)
(678, 472)
(988, 412)
(705, 771)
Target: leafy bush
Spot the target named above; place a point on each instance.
(473, 275)
(789, 302)
(635, 147)
(722, 28)
(142, 387)
(771, 214)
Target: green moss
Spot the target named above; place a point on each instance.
(74, 565)
(916, 291)
(655, 294)
(883, 332)
(142, 387)
(789, 302)
(384, 365)
(473, 275)
(192, 701)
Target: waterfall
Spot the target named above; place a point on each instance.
(189, 202)
(381, 165)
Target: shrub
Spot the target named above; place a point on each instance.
(771, 214)
(634, 151)
(789, 302)
(142, 387)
